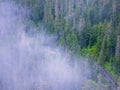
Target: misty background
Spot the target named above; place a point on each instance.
(31, 60)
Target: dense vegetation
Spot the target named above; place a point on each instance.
(84, 27)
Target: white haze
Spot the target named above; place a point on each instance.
(31, 61)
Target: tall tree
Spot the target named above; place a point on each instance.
(118, 52)
(48, 16)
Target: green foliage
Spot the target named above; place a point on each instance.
(91, 51)
(61, 41)
(109, 68)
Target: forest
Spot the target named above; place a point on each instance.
(90, 28)
(87, 28)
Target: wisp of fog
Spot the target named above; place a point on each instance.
(31, 60)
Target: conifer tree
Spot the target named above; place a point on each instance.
(117, 63)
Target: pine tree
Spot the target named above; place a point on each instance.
(117, 63)
(56, 10)
(48, 17)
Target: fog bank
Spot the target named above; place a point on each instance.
(31, 61)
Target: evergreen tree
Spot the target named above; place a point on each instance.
(118, 53)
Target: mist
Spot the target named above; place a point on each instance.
(32, 60)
